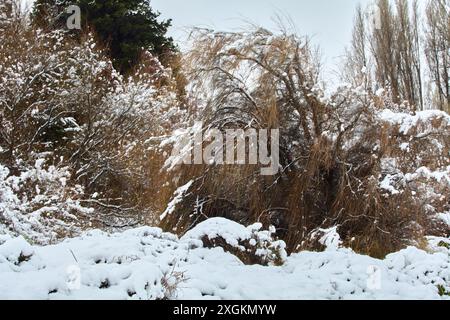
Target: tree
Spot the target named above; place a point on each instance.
(357, 56)
(395, 48)
(127, 27)
(384, 49)
(408, 53)
(438, 50)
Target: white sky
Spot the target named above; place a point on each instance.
(328, 22)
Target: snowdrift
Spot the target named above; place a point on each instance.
(146, 263)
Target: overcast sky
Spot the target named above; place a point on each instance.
(329, 22)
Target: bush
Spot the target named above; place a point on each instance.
(339, 154)
(62, 100)
(250, 244)
(40, 204)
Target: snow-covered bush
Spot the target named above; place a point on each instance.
(40, 204)
(250, 244)
(418, 157)
(393, 172)
(60, 97)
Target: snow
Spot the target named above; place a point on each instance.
(178, 197)
(380, 92)
(407, 121)
(445, 217)
(235, 234)
(424, 172)
(330, 238)
(232, 232)
(39, 215)
(390, 181)
(139, 263)
(386, 184)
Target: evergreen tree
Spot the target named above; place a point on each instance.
(127, 27)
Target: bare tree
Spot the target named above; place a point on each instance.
(357, 56)
(438, 50)
(408, 53)
(394, 48)
(383, 45)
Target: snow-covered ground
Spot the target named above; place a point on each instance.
(146, 263)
